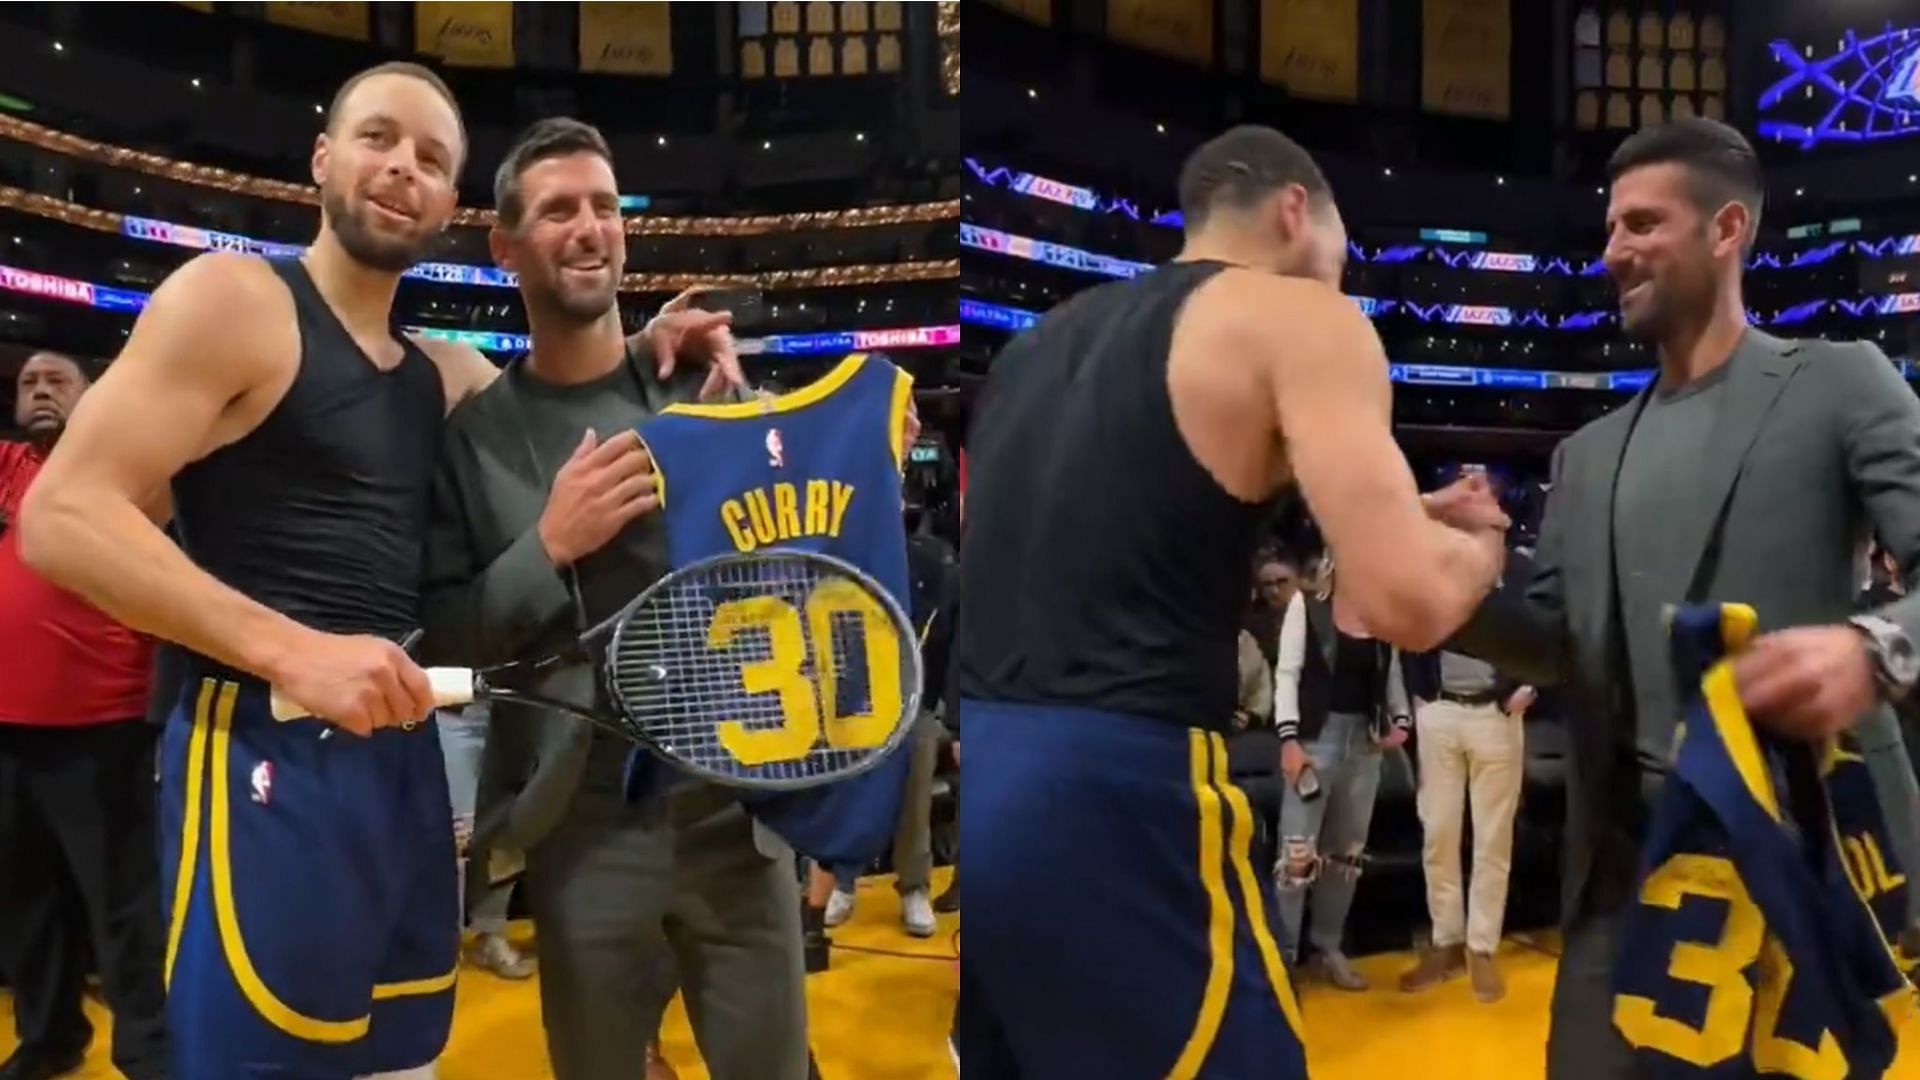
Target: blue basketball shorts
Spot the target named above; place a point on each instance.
(313, 920)
(1116, 927)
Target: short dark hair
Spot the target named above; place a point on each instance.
(406, 69)
(1240, 167)
(87, 369)
(557, 136)
(1719, 159)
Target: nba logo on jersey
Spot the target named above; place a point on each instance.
(261, 781)
(819, 469)
(1749, 949)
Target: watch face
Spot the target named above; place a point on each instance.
(1903, 663)
(1896, 651)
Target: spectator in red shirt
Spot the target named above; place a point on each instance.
(77, 791)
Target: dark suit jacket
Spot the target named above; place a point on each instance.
(492, 596)
(1814, 443)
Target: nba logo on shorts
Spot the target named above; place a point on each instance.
(263, 783)
(776, 456)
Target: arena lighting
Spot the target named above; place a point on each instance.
(1002, 317)
(1868, 90)
(1504, 261)
(55, 287)
(1889, 246)
(1039, 187)
(999, 316)
(1872, 306)
(981, 313)
(187, 236)
(1045, 251)
(1068, 257)
(1088, 199)
(1453, 236)
(1463, 314)
(827, 344)
(445, 273)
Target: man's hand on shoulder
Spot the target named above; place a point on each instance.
(464, 371)
(682, 333)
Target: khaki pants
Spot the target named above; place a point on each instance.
(1477, 752)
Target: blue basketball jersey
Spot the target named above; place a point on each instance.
(1748, 949)
(818, 469)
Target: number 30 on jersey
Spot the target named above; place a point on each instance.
(793, 634)
(1733, 1002)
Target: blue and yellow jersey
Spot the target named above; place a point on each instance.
(818, 469)
(1749, 948)
(1867, 852)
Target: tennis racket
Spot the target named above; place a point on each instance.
(777, 669)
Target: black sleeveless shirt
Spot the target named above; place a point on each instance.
(320, 513)
(1102, 566)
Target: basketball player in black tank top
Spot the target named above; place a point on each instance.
(297, 432)
(1122, 459)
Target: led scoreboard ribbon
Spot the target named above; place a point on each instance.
(1085, 198)
(1046, 251)
(187, 236)
(1002, 317)
(55, 287)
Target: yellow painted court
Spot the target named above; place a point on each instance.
(880, 1017)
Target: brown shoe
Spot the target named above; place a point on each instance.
(1488, 986)
(1435, 967)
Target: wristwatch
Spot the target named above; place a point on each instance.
(1896, 663)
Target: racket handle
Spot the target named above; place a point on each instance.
(451, 687)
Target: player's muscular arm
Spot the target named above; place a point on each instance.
(1411, 579)
(173, 394)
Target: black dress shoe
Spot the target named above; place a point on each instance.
(948, 902)
(31, 1064)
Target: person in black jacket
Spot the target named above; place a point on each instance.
(1340, 700)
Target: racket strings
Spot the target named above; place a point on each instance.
(766, 670)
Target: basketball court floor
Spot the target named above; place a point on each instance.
(883, 1010)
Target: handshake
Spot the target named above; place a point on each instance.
(1467, 504)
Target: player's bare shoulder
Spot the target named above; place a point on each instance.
(1218, 389)
(237, 294)
(1244, 341)
(224, 323)
(1275, 320)
(464, 372)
